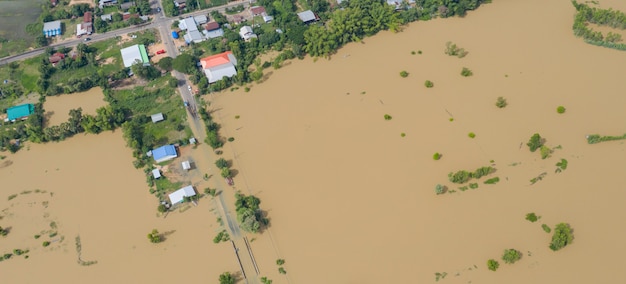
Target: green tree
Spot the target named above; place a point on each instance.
(184, 63)
(227, 278)
(501, 102)
(172, 82)
(155, 237)
(511, 256)
(535, 142)
(492, 264)
(165, 63)
(226, 172)
(532, 217)
(221, 163)
(440, 189)
(562, 236)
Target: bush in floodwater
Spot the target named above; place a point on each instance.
(511, 256)
(466, 72)
(546, 228)
(493, 264)
(387, 117)
(501, 102)
(437, 156)
(440, 189)
(532, 217)
(404, 74)
(560, 109)
(562, 237)
(429, 84)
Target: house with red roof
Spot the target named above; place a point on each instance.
(218, 66)
(87, 18)
(55, 58)
(257, 11)
(212, 30)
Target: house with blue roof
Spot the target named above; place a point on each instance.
(20, 112)
(51, 29)
(164, 153)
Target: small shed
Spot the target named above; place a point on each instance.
(156, 173)
(192, 141)
(186, 165)
(157, 117)
(179, 195)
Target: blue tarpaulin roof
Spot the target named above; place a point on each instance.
(20, 111)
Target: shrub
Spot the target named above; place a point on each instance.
(45, 243)
(595, 138)
(493, 264)
(459, 176)
(492, 180)
(546, 228)
(231, 139)
(440, 189)
(511, 256)
(3, 232)
(453, 50)
(221, 163)
(404, 74)
(264, 280)
(280, 261)
(545, 151)
(473, 185)
(387, 117)
(535, 142)
(532, 217)
(282, 270)
(161, 208)
(466, 72)
(402, 134)
(561, 166)
(155, 237)
(237, 116)
(471, 135)
(419, 52)
(436, 156)
(227, 278)
(560, 109)
(501, 102)
(562, 237)
(429, 84)
(413, 52)
(226, 173)
(221, 237)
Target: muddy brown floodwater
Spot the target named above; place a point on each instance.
(58, 107)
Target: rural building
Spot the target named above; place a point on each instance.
(188, 24)
(55, 58)
(246, 33)
(180, 4)
(194, 36)
(308, 17)
(164, 153)
(103, 3)
(127, 5)
(200, 19)
(20, 112)
(267, 18)
(135, 54)
(84, 29)
(128, 15)
(179, 195)
(257, 11)
(87, 17)
(219, 66)
(156, 173)
(107, 17)
(52, 28)
(157, 117)
(186, 165)
(213, 30)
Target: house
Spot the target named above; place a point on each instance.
(193, 36)
(179, 195)
(128, 15)
(180, 4)
(308, 17)
(156, 173)
(83, 29)
(20, 112)
(55, 58)
(107, 17)
(103, 3)
(127, 5)
(157, 117)
(88, 17)
(188, 24)
(213, 30)
(267, 18)
(201, 19)
(52, 28)
(246, 33)
(135, 54)
(164, 153)
(186, 165)
(219, 66)
(257, 11)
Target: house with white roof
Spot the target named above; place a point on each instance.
(246, 33)
(179, 195)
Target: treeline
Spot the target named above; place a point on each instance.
(602, 17)
(212, 128)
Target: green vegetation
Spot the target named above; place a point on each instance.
(227, 278)
(79, 252)
(440, 189)
(561, 166)
(546, 228)
(221, 237)
(282, 270)
(560, 109)
(463, 176)
(45, 243)
(511, 256)
(501, 102)
(466, 72)
(213, 138)
(210, 191)
(402, 134)
(437, 156)
(226, 173)
(12, 196)
(532, 217)
(280, 261)
(429, 84)
(3, 231)
(387, 117)
(493, 264)
(155, 237)
(473, 185)
(562, 237)
(439, 275)
(535, 142)
(221, 163)
(545, 152)
(595, 138)
(603, 18)
(404, 74)
(492, 180)
(538, 178)
(471, 135)
(453, 50)
(264, 280)
(249, 215)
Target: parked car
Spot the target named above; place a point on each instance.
(87, 39)
(160, 51)
(159, 9)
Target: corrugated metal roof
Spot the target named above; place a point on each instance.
(20, 111)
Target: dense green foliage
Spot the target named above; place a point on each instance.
(280, 261)
(453, 50)
(601, 17)
(3, 232)
(155, 237)
(440, 189)
(464, 176)
(501, 102)
(493, 264)
(546, 228)
(429, 84)
(466, 72)
(560, 109)
(595, 138)
(511, 256)
(221, 163)
(221, 237)
(532, 217)
(213, 138)
(248, 213)
(492, 180)
(535, 142)
(227, 278)
(562, 237)
(437, 156)
(561, 166)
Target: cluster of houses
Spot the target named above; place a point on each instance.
(166, 153)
